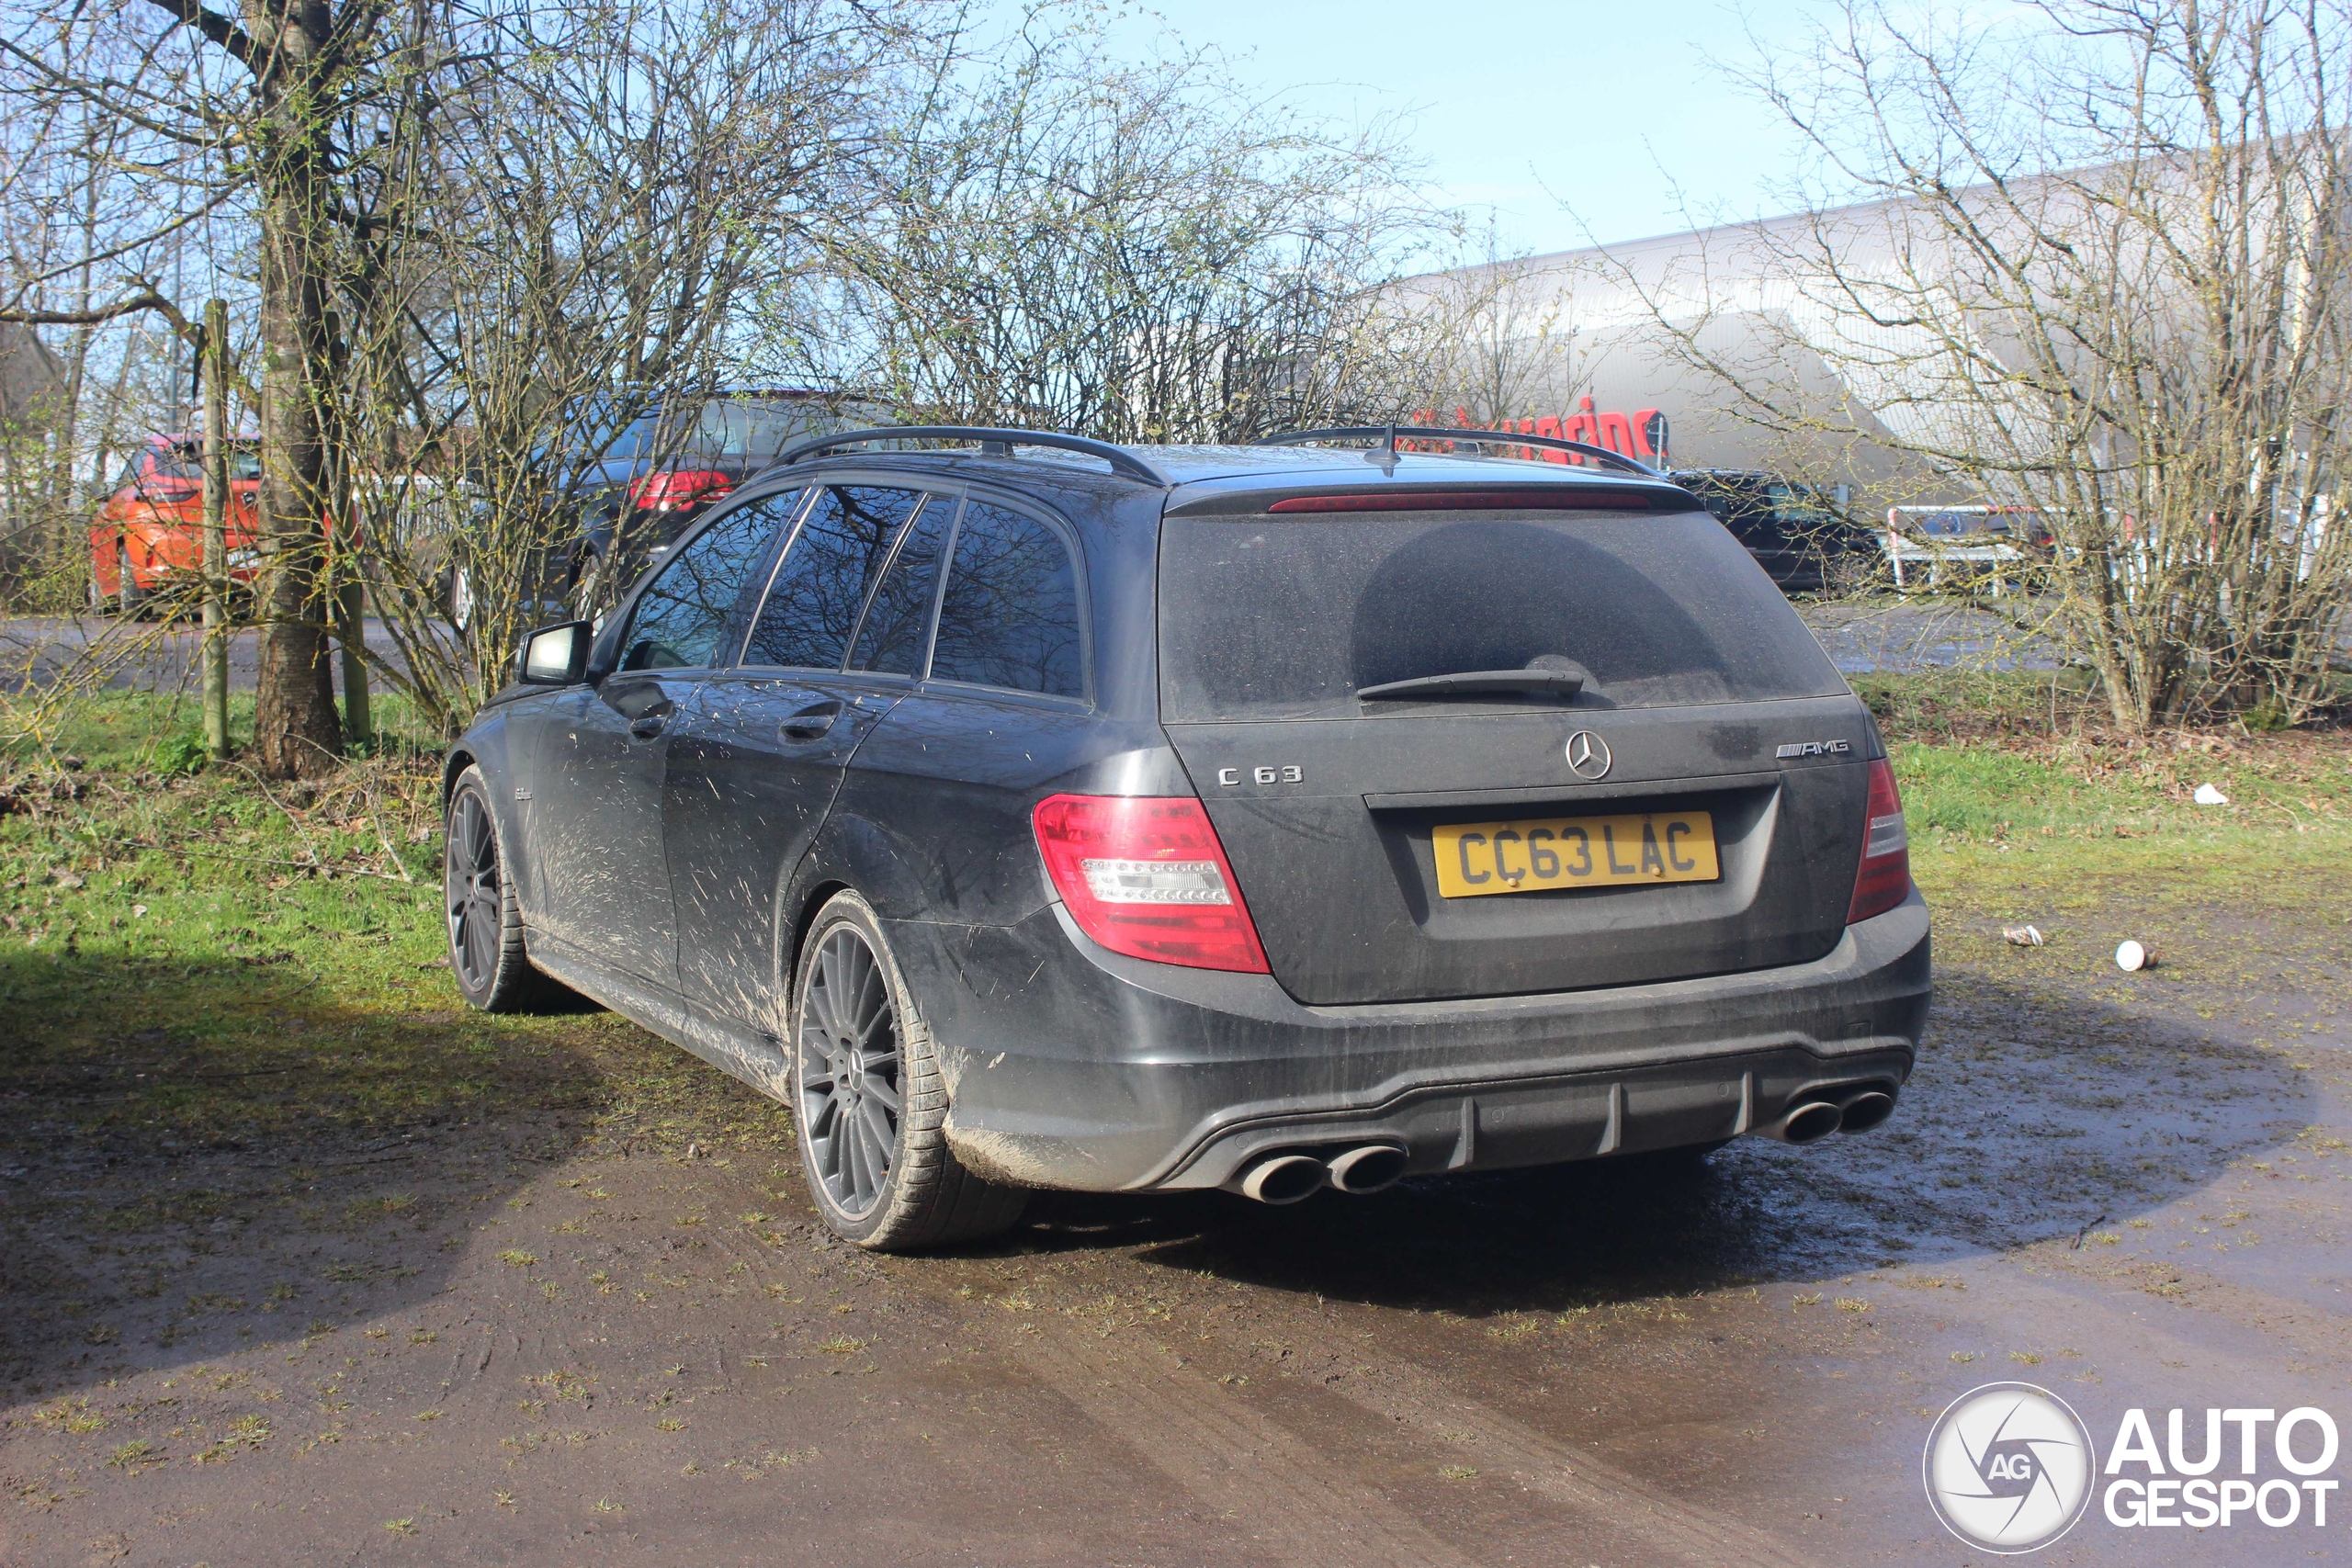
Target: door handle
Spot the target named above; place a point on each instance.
(652, 725)
(811, 723)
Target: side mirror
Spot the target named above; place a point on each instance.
(555, 655)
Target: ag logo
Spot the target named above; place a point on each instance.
(1589, 755)
(2008, 1468)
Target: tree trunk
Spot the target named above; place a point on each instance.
(216, 540)
(295, 732)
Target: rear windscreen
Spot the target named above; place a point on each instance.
(1272, 617)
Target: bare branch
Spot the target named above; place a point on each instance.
(215, 27)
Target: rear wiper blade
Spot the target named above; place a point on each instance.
(1556, 676)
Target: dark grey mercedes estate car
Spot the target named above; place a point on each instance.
(1043, 814)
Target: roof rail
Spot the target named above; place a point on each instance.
(993, 443)
(1389, 432)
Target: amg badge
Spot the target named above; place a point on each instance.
(1814, 749)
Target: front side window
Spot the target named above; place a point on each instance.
(1009, 617)
(745, 432)
(1798, 507)
(681, 617)
(828, 572)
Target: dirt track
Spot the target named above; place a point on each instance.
(148, 656)
(526, 1343)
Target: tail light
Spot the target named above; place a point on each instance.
(1145, 875)
(1884, 879)
(676, 489)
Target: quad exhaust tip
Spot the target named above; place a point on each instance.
(1283, 1179)
(1371, 1169)
(1294, 1176)
(1807, 1124)
(1814, 1120)
(1866, 1110)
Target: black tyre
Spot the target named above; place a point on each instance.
(130, 600)
(589, 586)
(458, 598)
(869, 1104)
(484, 922)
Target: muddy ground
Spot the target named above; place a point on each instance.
(537, 1338)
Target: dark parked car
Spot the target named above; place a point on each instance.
(1801, 536)
(637, 474)
(1153, 818)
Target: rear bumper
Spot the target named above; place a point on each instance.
(164, 554)
(1071, 1066)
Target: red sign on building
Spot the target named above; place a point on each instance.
(1641, 434)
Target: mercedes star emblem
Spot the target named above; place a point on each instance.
(1589, 755)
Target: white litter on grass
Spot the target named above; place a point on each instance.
(2022, 936)
(2132, 957)
(2207, 796)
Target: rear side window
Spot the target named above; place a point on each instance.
(828, 570)
(1267, 617)
(1009, 617)
(683, 615)
(896, 628)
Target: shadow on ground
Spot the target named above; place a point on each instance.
(200, 1157)
(197, 1158)
(2031, 1114)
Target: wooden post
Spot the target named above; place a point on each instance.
(216, 527)
(352, 616)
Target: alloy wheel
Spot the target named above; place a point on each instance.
(848, 1072)
(472, 891)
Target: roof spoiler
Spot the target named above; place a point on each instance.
(1389, 432)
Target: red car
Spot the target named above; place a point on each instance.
(149, 533)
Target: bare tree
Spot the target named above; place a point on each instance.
(80, 210)
(1133, 251)
(1513, 344)
(473, 237)
(588, 197)
(2102, 280)
(265, 112)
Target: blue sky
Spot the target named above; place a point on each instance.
(1605, 107)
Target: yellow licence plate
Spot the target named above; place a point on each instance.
(1475, 859)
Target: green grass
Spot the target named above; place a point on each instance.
(2118, 819)
(138, 731)
(271, 959)
(207, 959)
